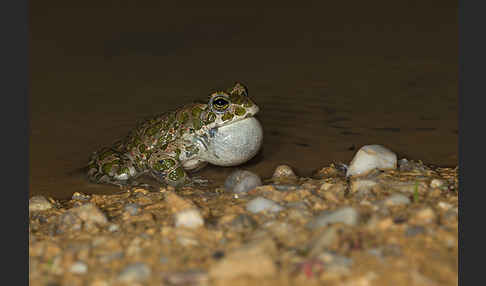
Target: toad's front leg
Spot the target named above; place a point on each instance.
(168, 170)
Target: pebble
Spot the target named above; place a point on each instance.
(39, 203)
(414, 230)
(190, 218)
(283, 171)
(242, 181)
(323, 241)
(113, 227)
(346, 215)
(260, 204)
(78, 267)
(436, 183)
(362, 185)
(90, 213)
(80, 196)
(189, 277)
(252, 260)
(87, 215)
(243, 222)
(136, 272)
(424, 216)
(396, 200)
(132, 208)
(444, 206)
(370, 157)
(335, 262)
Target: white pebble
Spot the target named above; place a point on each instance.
(370, 157)
(444, 206)
(261, 204)
(436, 183)
(242, 181)
(78, 267)
(396, 200)
(135, 272)
(190, 218)
(346, 215)
(39, 203)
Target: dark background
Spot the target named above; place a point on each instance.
(329, 77)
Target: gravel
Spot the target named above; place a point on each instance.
(346, 215)
(136, 272)
(261, 204)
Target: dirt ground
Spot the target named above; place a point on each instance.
(398, 227)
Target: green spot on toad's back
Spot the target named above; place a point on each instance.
(176, 174)
(227, 116)
(196, 111)
(240, 111)
(107, 168)
(197, 124)
(106, 154)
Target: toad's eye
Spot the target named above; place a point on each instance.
(220, 103)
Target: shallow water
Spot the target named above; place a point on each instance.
(328, 79)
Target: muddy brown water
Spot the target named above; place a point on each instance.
(328, 78)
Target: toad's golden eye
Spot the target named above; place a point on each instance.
(220, 104)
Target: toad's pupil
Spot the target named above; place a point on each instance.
(220, 102)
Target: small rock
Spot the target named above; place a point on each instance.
(405, 166)
(370, 157)
(323, 241)
(346, 215)
(436, 183)
(78, 267)
(424, 216)
(242, 181)
(87, 215)
(362, 185)
(392, 250)
(132, 208)
(283, 171)
(80, 196)
(243, 222)
(190, 277)
(444, 206)
(113, 227)
(335, 262)
(414, 230)
(218, 254)
(253, 260)
(112, 256)
(137, 272)
(260, 204)
(39, 203)
(298, 205)
(177, 203)
(396, 200)
(190, 218)
(90, 213)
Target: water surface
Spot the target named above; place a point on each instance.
(328, 78)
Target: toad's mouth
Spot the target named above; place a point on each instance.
(247, 117)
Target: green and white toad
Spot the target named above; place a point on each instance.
(222, 132)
